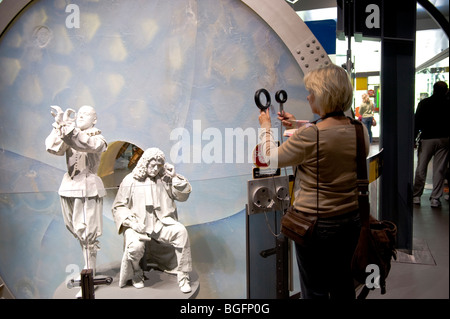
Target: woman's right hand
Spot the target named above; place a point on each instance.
(285, 119)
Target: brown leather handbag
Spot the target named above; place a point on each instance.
(298, 226)
(377, 239)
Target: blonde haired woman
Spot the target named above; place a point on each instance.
(324, 155)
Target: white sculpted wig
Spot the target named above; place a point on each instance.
(140, 171)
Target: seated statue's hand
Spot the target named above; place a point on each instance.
(169, 170)
(133, 223)
(138, 227)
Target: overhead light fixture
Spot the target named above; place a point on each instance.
(292, 1)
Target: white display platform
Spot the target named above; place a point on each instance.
(157, 285)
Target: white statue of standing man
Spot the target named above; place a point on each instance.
(144, 209)
(81, 191)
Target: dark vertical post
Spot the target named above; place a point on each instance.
(282, 265)
(397, 112)
(87, 284)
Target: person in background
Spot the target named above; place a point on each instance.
(431, 120)
(366, 112)
(324, 263)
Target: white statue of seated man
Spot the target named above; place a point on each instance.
(144, 209)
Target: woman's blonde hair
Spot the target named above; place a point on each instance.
(332, 88)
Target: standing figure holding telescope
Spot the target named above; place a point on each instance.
(81, 191)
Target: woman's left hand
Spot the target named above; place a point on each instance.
(264, 117)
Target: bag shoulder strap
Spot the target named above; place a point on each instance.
(362, 180)
(361, 152)
(317, 171)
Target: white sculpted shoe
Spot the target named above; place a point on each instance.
(138, 281)
(183, 283)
